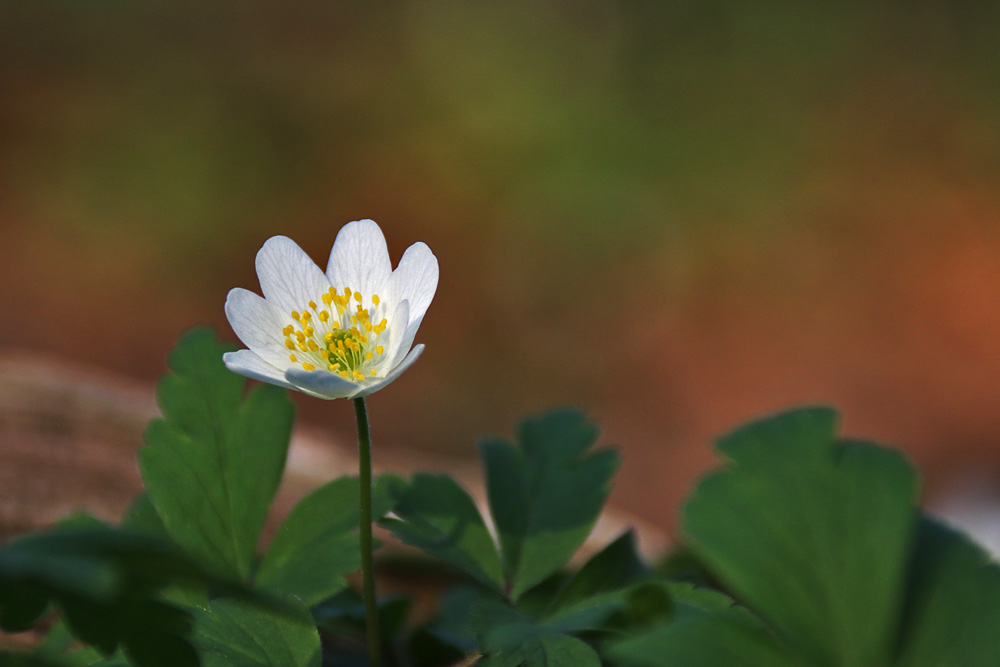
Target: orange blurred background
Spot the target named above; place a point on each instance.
(677, 216)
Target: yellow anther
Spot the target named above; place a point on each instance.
(306, 366)
(292, 357)
(332, 290)
(334, 367)
(295, 315)
(343, 374)
(375, 300)
(335, 324)
(287, 331)
(368, 326)
(328, 336)
(368, 355)
(309, 331)
(340, 345)
(354, 320)
(324, 315)
(300, 336)
(373, 372)
(312, 304)
(327, 298)
(325, 354)
(358, 375)
(357, 297)
(303, 348)
(289, 344)
(379, 348)
(306, 316)
(347, 292)
(313, 346)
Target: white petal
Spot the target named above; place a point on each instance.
(403, 365)
(321, 384)
(415, 279)
(288, 278)
(359, 258)
(396, 331)
(248, 364)
(258, 324)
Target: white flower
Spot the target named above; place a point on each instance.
(342, 334)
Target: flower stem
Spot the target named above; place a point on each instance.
(367, 562)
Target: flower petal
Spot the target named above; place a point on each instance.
(321, 384)
(359, 258)
(248, 364)
(415, 279)
(397, 333)
(257, 323)
(288, 278)
(402, 366)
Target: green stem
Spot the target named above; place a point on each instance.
(367, 561)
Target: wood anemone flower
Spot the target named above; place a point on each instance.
(345, 333)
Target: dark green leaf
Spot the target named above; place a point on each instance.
(812, 534)
(317, 544)
(953, 608)
(231, 633)
(439, 517)
(615, 566)
(546, 494)
(702, 640)
(508, 639)
(213, 464)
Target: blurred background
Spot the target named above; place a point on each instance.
(676, 215)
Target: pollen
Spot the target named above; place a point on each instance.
(342, 338)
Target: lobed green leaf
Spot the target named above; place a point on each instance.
(213, 464)
(546, 494)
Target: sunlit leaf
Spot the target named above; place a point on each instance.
(213, 464)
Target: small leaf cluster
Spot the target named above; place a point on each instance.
(803, 549)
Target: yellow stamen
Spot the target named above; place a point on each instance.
(373, 372)
(289, 344)
(287, 331)
(328, 336)
(309, 331)
(357, 297)
(292, 357)
(327, 298)
(303, 347)
(313, 346)
(295, 315)
(324, 316)
(378, 348)
(375, 300)
(306, 366)
(368, 355)
(312, 304)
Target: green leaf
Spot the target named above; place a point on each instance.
(953, 608)
(546, 494)
(812, 534)
(702, 640)
(213, 464)
(317, 544)
(508, 639)
(614, 567)
(230, 633)
(439, 517)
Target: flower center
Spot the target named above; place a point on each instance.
(340, 336)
